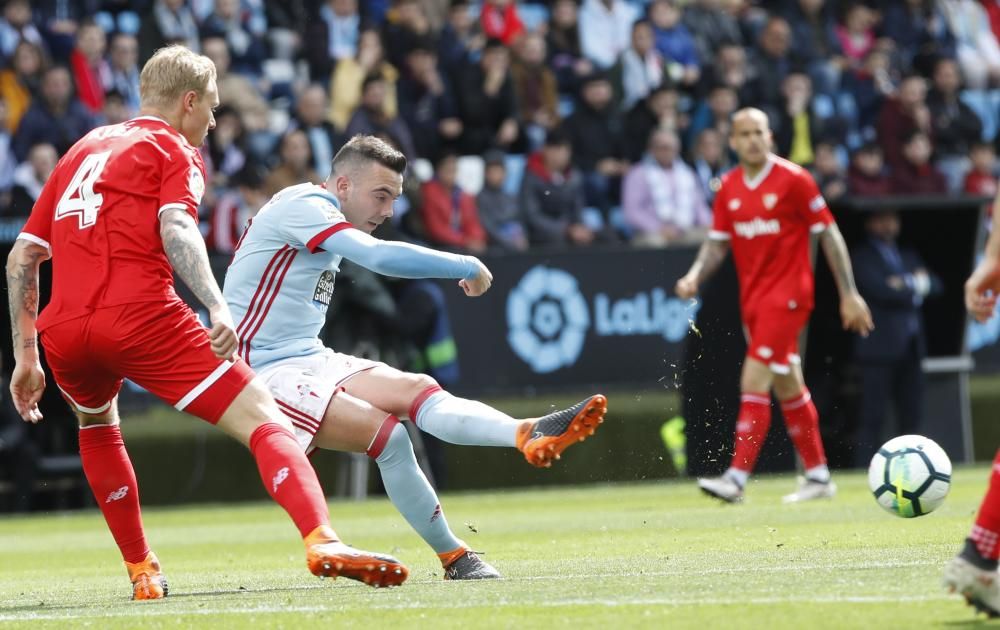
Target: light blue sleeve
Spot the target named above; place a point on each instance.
(402, 260)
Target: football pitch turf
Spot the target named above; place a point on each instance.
(650, 555)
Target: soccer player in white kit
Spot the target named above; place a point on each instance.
(279, 286)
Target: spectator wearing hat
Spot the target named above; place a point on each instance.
(498, 211)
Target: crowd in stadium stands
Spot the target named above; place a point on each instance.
(567, 122)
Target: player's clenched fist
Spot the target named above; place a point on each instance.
(480, 283)
(686, 288)
(223, 333)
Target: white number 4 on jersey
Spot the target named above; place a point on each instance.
(79, 198)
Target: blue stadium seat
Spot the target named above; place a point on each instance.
(514, 163)
(984, 103)
(533, 15)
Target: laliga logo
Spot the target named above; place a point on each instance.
(547, 319)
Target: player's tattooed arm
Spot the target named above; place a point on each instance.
(22, 295)
(710, 257)
(185, 248)
(837, 257)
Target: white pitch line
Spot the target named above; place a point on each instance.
(173, 611)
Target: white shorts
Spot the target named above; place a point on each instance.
(303, 387)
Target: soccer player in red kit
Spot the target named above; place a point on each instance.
(118, 219)
(766, 211)
(973, 572)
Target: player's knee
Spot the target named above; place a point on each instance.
(253, 407)
(420, 383)
(87, 420)
(786, 387)
(109, 417)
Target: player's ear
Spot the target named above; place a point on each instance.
(189, 100)
(342, 184)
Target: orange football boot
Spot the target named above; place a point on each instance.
(147, 581)
(326, 556)
(543, 440)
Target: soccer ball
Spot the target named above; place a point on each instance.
(910, 476)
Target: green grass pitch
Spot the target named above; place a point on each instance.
(651, 555)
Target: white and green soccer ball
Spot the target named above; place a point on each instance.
(910, 476)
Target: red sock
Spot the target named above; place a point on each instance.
(987, 528)
(751, 429)
(802, 422)
(112, 480)
(288, 476)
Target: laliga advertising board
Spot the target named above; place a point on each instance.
(575, 317)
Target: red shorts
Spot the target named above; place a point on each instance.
(161, 347)
(773, 336)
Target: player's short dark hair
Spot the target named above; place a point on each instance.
(363, 149)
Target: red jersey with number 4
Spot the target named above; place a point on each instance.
(768, 221)
(99, 216)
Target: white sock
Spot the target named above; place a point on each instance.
(819, 473)
(739, 476)
(461, 421)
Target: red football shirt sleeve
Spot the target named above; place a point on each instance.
(38, 228)
(722, 226)
(183, 182)
(811, 205)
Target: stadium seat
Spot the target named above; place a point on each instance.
(533, 16)
(514, 163)
(471, 170)
(984, 103)
(566, 106)
(423, 169)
